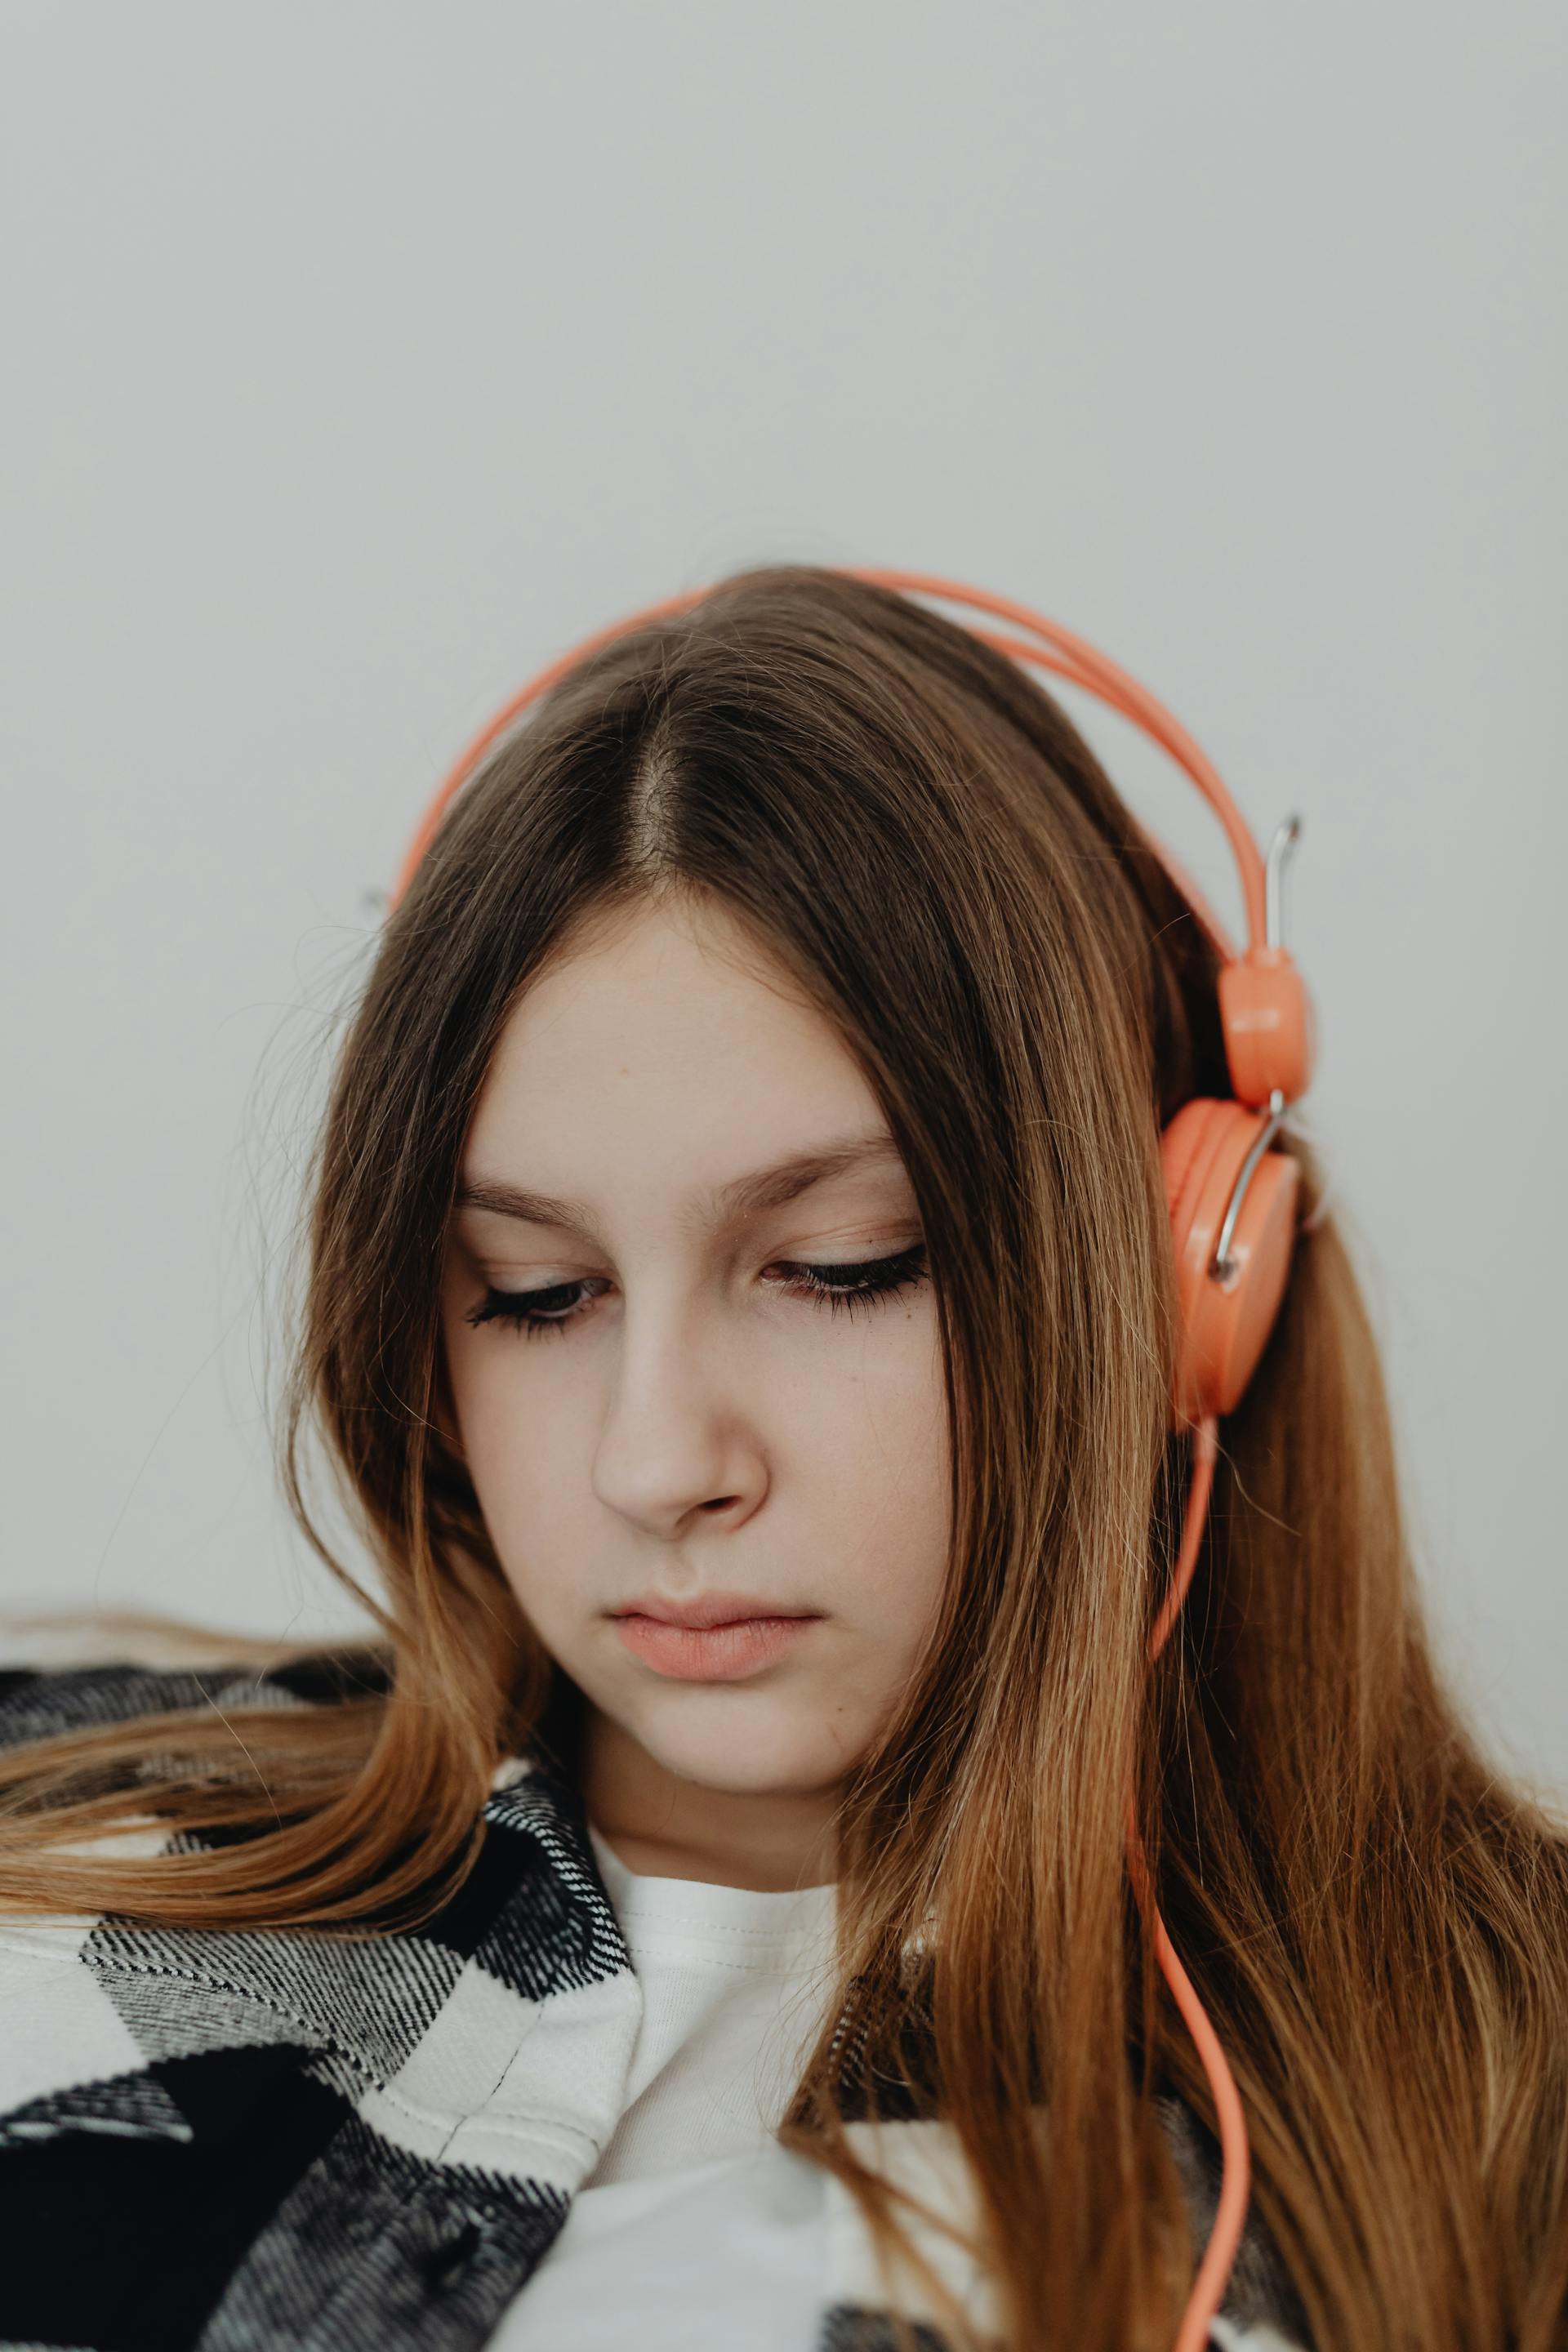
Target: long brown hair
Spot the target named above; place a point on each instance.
(1374, 1917)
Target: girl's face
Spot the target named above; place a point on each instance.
(657, 1408)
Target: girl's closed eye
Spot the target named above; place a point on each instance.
(862, 1282)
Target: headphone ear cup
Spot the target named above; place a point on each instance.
(1223, 1327)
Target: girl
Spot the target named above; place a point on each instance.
(740, 1314)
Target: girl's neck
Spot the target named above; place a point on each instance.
(663, 1826)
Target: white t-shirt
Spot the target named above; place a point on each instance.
(693, 2208)
(696, 2231)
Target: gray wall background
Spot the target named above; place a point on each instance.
(363, 357)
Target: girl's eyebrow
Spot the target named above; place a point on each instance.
(763, 1188)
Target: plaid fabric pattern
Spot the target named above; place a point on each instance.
(230, 2141)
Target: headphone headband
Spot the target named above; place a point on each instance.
(1264, 1006)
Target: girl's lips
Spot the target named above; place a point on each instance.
(719, 1654)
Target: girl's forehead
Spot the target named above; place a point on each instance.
(692, 975)
(698, 1068)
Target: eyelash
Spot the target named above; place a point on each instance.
(880, 1279)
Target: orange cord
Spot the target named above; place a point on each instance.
(1230, 2215)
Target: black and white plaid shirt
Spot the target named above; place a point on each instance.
(236, 2139)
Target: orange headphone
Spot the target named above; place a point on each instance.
(1232, 1202)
